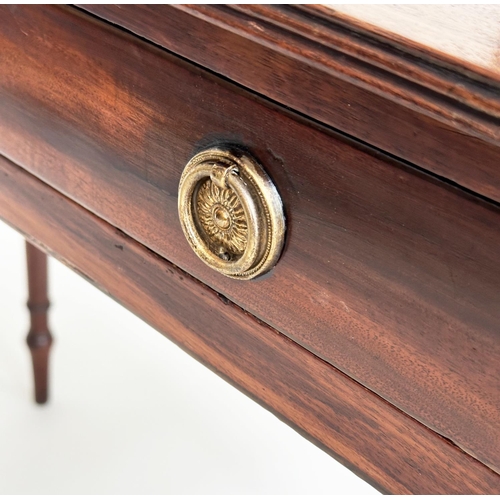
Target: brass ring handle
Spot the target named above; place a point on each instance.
(231, 213)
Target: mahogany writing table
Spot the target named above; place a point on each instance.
(305, 202)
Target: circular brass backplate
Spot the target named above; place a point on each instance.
(231, 213)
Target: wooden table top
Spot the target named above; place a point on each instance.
(467, 34)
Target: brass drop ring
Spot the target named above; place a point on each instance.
(231, 213)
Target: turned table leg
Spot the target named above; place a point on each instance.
(39, 338)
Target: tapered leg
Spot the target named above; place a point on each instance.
(39, 338)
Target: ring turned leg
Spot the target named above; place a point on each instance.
(39, 338)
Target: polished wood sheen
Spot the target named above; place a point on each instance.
(401, 98)
(376, 335)
(377, 441)
(388, 274)
(39, 338)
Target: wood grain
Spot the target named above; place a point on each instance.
(380, 443)
(388, 274)
(439, 116)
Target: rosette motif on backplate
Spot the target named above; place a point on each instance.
(222, 217)
(231, 213)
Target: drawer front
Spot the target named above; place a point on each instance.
(387, 274)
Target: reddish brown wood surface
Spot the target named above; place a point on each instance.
(39, 338)
(393, 451)
(436, 114)
(387, 274)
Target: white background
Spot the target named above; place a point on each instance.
(130, 412)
